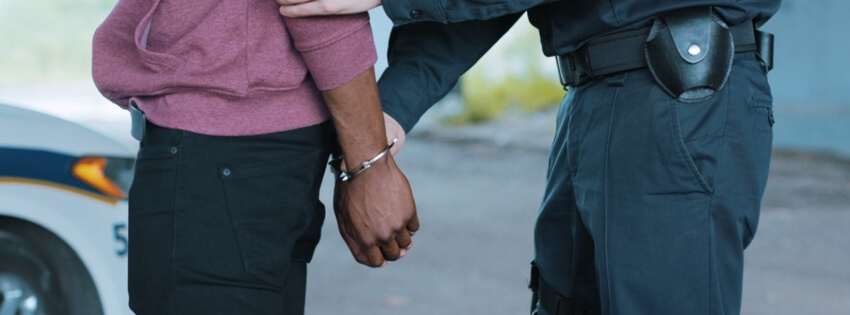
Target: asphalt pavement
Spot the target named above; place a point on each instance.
(478, 189)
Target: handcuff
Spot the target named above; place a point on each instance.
(336, 164)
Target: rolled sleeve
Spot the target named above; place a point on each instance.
(335, 48)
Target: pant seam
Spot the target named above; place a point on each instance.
(613, 105)
(178, 205)
(712, 268)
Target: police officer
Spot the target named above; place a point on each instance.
(663, 142)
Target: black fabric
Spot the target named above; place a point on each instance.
(650, 202)
(224, 225)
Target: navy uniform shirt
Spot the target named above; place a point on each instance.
(426, 58)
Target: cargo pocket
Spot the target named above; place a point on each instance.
(763, 110)
(270, 207)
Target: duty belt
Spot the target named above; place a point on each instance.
(624, 51)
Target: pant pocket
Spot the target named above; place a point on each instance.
(700, 130)
(270, 207)
(151, 225)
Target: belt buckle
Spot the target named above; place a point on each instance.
(565, 70)
(574, 68)
(570, 71)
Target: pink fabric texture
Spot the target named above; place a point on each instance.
(226, 67)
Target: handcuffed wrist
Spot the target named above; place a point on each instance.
(336, 162)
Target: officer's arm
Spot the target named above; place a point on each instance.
(448, 11)
(426, 59)
(408, 11)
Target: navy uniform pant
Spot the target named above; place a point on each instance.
(649, 201)
(225, 225)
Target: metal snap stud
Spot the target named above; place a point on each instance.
(225, 172)
(694, 50)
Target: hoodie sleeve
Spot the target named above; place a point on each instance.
(335, 48)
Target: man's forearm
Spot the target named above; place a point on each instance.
(358, 118)
(375, 211)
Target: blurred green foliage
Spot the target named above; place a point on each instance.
(48, 39)
(495, 85)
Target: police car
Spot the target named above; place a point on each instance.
(63, 217)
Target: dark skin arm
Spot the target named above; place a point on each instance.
(375, 210)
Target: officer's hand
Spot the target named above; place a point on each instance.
(394, 130)
(302, 8)
(376, 213)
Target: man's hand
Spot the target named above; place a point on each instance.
(302, 8)
(376, 213)
(375, 209)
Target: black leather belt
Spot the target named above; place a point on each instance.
(625, 51)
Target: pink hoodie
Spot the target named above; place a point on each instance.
(226, 67)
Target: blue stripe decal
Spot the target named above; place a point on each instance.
(41, 165)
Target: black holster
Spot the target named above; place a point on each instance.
(689, 53)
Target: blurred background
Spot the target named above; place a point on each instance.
(477, 164)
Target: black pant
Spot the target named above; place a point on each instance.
(225, 225)
(649, 201)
